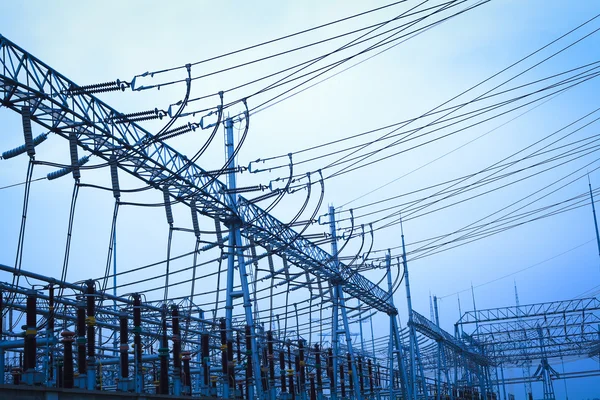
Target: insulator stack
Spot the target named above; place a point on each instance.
(378, 376)
(50, 309)
(318, 368)
(27, 132)
(282, 371)
(137, 338)
(245, 189)
(112, 86)
(23, 148)
(223, 336)
(168, 209)
(222, 171)
(240, 382)
(187, 377)
(16, 374)
(264, 369)
(90, 321)
(81, 340)
(301, 363)
(163, 354)
(298, 384)
(205, 353)
(286, 269)
(370, 371)
(30, 331)
(176, 341)
(178, 131)
(253, 253)
(266, 196)
(73, 153)
(195, 223)
(271, 264)
(360, 375)
(342, 380)
(271, 358)
(330, 370)
(219, 233)
(238, 340)
(136, 116)
(230, 365)
(350, 380)
(248, 356)
(290, 371)
(60, 369)
(1, 318)
(64, 171)
(313, 392)
(114, 176)
(68, 373)
(124, 348)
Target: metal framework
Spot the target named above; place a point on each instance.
(239, 358)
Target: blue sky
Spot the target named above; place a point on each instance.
(103, 41)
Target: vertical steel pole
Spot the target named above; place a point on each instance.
(1, 337)
(439, 358)
(412, 331)
(395, 346)
(594, 212)
(236, 241)
(176, 338)
(91, 334)
(124, 350)
(163, 354)
(335, 311)
(352, 358)
(339, 294)
(137, 343)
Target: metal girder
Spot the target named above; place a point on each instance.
(510, 335)
(577, 324)
(529, 311)
(26, 80)
(432, 331)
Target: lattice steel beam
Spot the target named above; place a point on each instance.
(26, 80)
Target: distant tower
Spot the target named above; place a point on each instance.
(594, 212)
(526, 363)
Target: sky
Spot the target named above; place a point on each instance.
(554, 258)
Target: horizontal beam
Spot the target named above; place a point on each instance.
(529, 311)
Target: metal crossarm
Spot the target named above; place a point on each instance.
(432, 331)
(512, 334)
(529, 311)
(25, 80)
